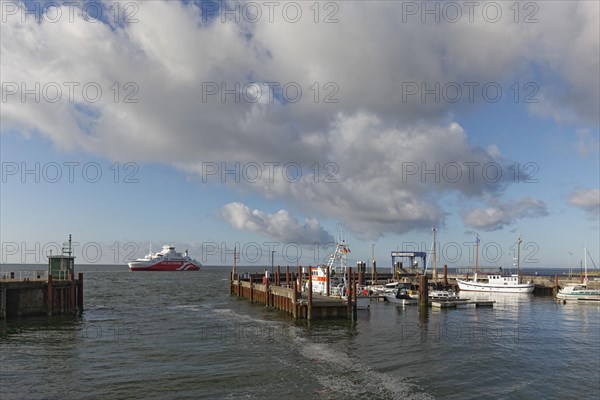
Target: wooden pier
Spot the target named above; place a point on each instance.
(287, 296)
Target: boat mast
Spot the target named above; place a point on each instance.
(519, 258)
(434, 258)
(476, 257)
(585, 279)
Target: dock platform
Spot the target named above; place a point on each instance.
(286, 297)
(462, 303)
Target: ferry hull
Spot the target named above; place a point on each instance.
(484, 287)
(164, 266)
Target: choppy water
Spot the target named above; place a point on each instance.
(169, 335)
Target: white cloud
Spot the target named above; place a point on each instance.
(588, 200)
(497, 216)
(280, 226)
(372, 133)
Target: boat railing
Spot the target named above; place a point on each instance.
(24, 275)
(480, 270)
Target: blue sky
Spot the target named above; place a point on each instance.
(199, 92)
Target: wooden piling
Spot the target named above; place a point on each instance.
(423, 292)
(239, 288)
(80, 292)
(348, 294)
(295, 299)
(354, 297)
(267, 292)
(309, 311)
(361, 273)
(374, 273)
(555, 288)
(287, 276)
(278, 275)
(299, 278)
(445, 275)
(327, 282)
(72, 292)
(49, 293)
(3, 305)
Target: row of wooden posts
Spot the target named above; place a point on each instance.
(288, 297)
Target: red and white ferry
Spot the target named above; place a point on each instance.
(166, 260)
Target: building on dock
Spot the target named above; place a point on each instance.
(55, 291)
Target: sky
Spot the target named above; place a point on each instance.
(273, 127)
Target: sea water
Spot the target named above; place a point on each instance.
(173, 335)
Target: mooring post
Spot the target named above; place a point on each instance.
(355, 298)
(295, 299)
(267, 293)
(327, 282)
(374, 273)
(348, 292)
(80, 292)
(445, 275)
(423, 291)
(287, 276)
(3, 302)
(309, 311)
(555, 288)
(239, 283)
(278, 275)
(49, 295)
(231, 282)
(71, 292)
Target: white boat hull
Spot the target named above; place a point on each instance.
(392, 299)
(470, 286)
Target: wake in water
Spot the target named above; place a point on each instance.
(341, 374)
(336, 373)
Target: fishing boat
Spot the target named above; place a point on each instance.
(337, 285)
(580, 292)
(165, 260)
(496, 283)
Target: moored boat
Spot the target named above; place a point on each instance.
(165, 260)
(579, 292)
(337, 285)
(496, 283)
(400, 296)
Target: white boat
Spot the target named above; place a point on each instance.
(442, 295)
(580, 292)
(400, 296)
(166, 260)
(337, 266)
(496, 283)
